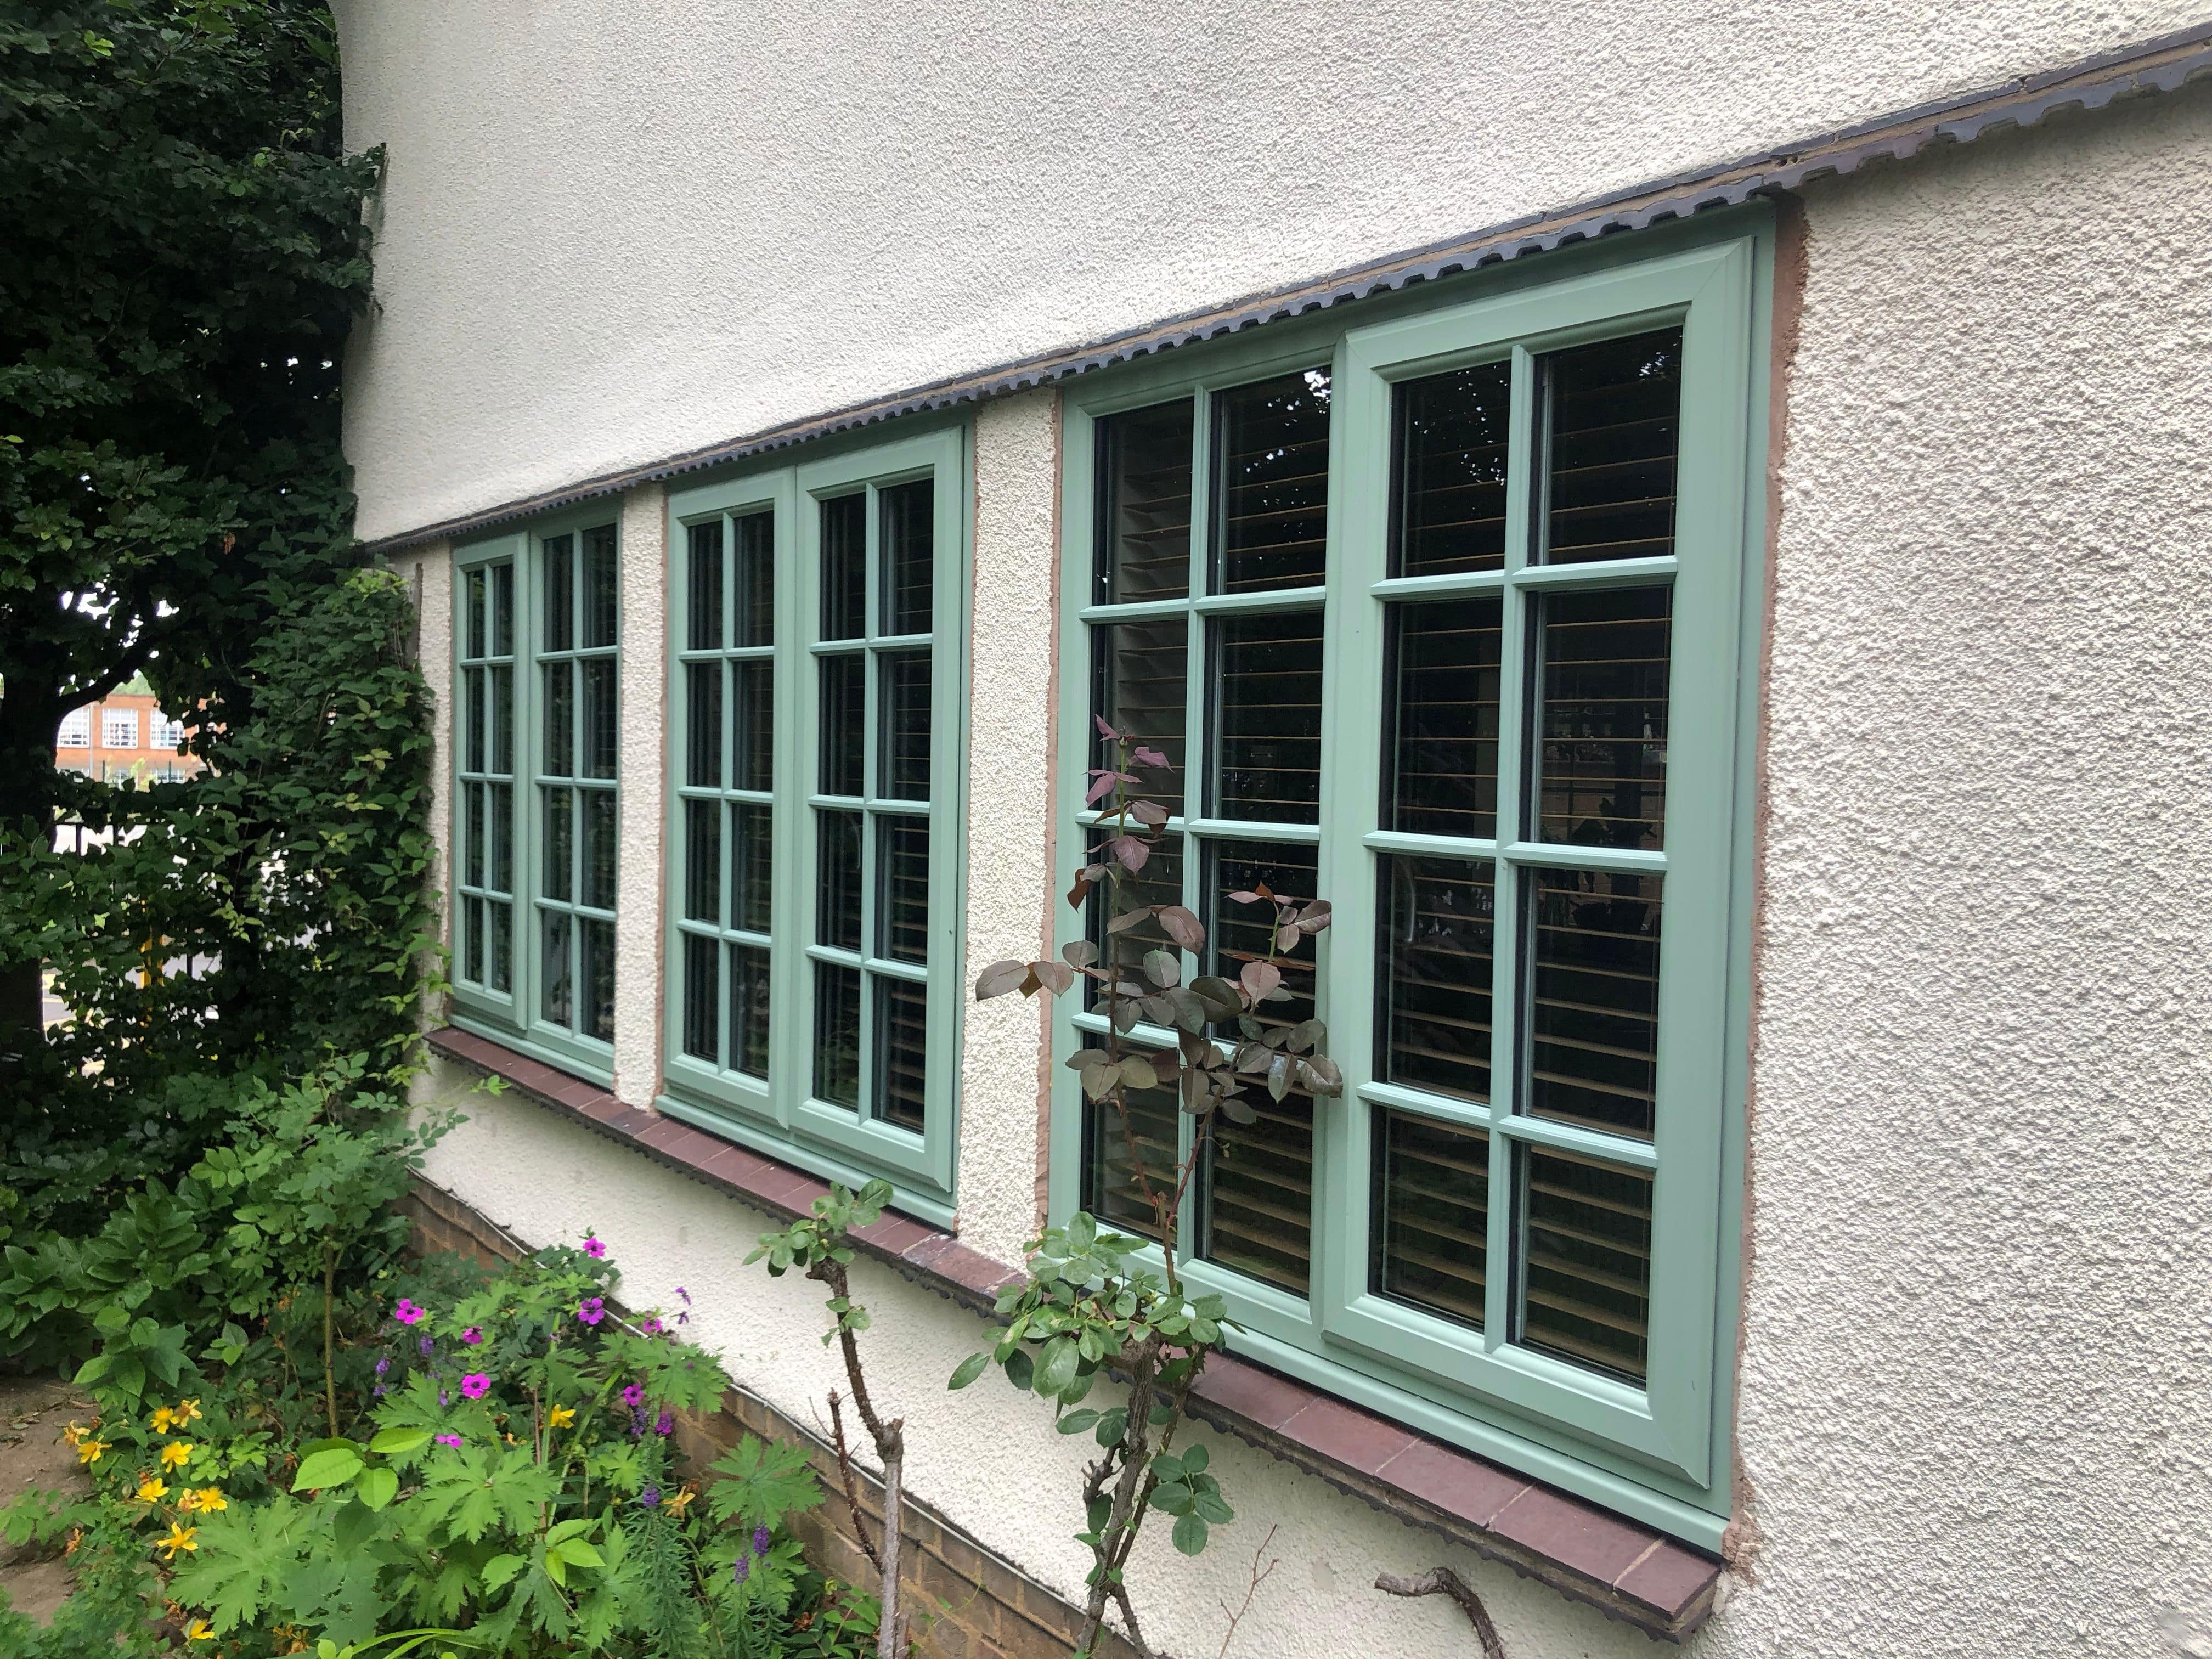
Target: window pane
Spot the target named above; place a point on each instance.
(1586, 1292)
(749, 1010)
(909, 540)
(1268, 717)
(502, 720)
(1615, 411)
(1439, 920)
(1237, 933)
(560, 593)
(755, 724)
(599, 809)
(1256, 1207)
(904, 688)
(556, 880)
(844, 681)
(755, 577)
(601, 578)
(598, 733)
(1144, 503)
(500, 878)
(755, 864)
(502, 610)
(473, 694)
(1159, 882)
(702, 998)
(901, 1050)
(1111, 1190)
(845, 567)
(554, 1002)
(479, 640)
(903, 916)
(702, 860)
(837, 882)
(500, 921)
(1604, 761)
(1594, 1022)
(474, 832)
(560, 682)
(598, 988)
(838, 1034)
(704, 602)
(1431, 1234)
(1142, 685)
(1272, 500)
(472, 940)
(1443, 753)
(703, 724)
(1451, 486)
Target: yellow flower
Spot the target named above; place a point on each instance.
(199, 1631)
(74, 1434)
(164, 1419)
(206, 1500)
(153, 1489)
(91, 1451)
(176, 1454)
(180, 1538)
(188, 1411)
(681, 1502)
(561, 1416)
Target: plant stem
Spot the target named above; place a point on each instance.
(329, 1336)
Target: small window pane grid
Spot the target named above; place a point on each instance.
(578, 581)
(1533, 573)
(485, 863)
(76, 731)
(120, 730)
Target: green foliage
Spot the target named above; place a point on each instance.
(815, 1243)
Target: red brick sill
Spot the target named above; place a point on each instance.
(1619, 1566)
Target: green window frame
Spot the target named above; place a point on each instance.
(537, 633)
(818, 627)
(1514, 641)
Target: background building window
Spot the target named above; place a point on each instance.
(118, 728)
(76, 731)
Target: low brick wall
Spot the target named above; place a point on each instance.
(963, 1602)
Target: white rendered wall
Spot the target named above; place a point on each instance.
(428, 570)
(611, 232)
(641, 877)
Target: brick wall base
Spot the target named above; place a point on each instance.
(963, 1602)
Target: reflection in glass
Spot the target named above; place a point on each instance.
(844, 703)
(1603, 766)
(704, 734)
(702, 860)
(838, 1034)
(845, 567)
(755, 580)
(553, 995)
(1111, 1189)
(1430, 1240)
(560, 681)
(703, 602)
(598, 979)
(1449, 489)
(838, 883)
(1442, 755)
(1268, 717)
(1144, 503)
(1586, 1290)
(1613, 413)
(754, 688)
(909, 540)
(1142, 672)
(749, 1010)
(904, 686)
(901, 1050)
(602, 579)
(702, 998)
(598, 860)
(1438, 920)
(755, 864)
(1272, 492)
(599, 710)
(559, 875)
(903, 857)
(560, 567)
(1594, 1020)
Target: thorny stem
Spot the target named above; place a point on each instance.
(891, 1446)
(850, 1481)
(1260, 1576)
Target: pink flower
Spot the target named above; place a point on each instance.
(474, 1334)
(594, 1249)
(653, 1327)
(634, 1394)
(591, 1310)
(475, 1386)
(452, 1440)
(666, 1423)
(406, 1313)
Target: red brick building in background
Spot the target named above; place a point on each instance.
(125, 738)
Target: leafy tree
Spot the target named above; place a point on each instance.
(182, 250)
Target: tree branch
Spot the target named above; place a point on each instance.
(851, 1482)
(1443, 1581)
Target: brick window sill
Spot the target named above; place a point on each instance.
(1625, 1569)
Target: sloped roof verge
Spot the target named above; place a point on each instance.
(2154, 66)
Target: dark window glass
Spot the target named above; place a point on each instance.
(602, 577)
(1443, 771)
(1450, 438)
(755, 724)
(1272, 498)
(845, 567)
(1603, 769)
(598, 700)
(473, 944)
(837, 887)
(702, 860)
(1142, 672)
(502, 973)
(704, 733)
(844, 716)
(702, 998)
(1158, 881)
(1267, 716)
(473, 694)
(1143, 504)
(909, 540)
(838, 1034)
(903, 687)
(554, 994)
(502, 610)
(704, 602)
(599, 976)
(1586, 1289)
(1112, 1191)
(1438, 921)
(1237, 933)
(477, 831)
(502, 720)
(599, 811)
(478, 639)
(756, 867)
(1614, 414)
(749, 1010)
(560, 679)
(755, 580)
(901, 1050)
(1430, 1241)
(500, 876)
(560, 873)
(903, 915)
(560, 593)
(1593, 1024)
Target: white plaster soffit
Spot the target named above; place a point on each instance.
(2154, 66)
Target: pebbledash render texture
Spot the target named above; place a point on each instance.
(1922, 292)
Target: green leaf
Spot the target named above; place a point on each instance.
(332, 1467)
(376, 1487)
(1021, 1369)
(1075, 1422)
(1112, 1426)
(1195, 1458)
(501, 1569)
(398, 1443)
(1056, 1367)
(579, 1553)
(1190, 1533)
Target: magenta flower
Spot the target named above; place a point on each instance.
(666, 1423)
(406, 1313)
(653, 1327)
(452, 1440)
(634, 1394)
(594, 1249)
(472, 1335)
(475, 1386)
(591, 1310)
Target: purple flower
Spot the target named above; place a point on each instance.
(743, 1569)
(475, 1386)
(634, 1394)
(636, 1422)
(650, 1498)
(591, 1310)
(665, 1424)
(473, 1335)
(383, 1365)
(406, 1313)
(594, 1249)
(685, 1294)
(380, 1391)
(452, 1440)
(760, 1541)
(653, 1327)
(445, 1399)
(428, 1347)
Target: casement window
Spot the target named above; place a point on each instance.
(167, 734)
(818, 623)
(1441, 617)
(76, 731)
(537, 636)
(118, 728)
